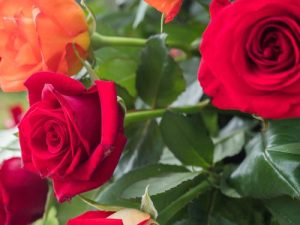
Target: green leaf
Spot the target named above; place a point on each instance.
(124, 94)
(273, 161)
(99, 206)
(190, 67)
(124, 191)
(175, 206)
(141, 12)
(118, 64)
(169, 158)
(187, 139)
(158, 184)
(210, 118)
(73, 208)
(193, 92)
(147, 204)
(204, 2)
(185, 32)
(51, 218)
(159, 77)
(228, 211)
(225, 186)
(285, 210)
(144, 146)
(213, 208)
(231, 139)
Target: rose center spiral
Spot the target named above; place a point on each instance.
(56, 136)
(272, 45)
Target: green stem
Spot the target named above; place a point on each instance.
(99, 41)
(211, 207)
(49, 203)
(162, 22)
(151, 114)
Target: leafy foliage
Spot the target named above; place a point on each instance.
(273, 160)
(202, 166)
(159, 77)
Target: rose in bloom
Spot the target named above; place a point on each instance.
(71, 134)
(122, 217)
(23, 194)
(170, 8)
(38, 35)
(251, 57)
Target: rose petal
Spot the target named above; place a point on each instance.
(168, 7)
(94, 218)
(63, 84)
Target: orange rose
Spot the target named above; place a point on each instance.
(169, 8)
(38, 35)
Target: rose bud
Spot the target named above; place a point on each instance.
(23, 194)
(70, 134)
(15, 112)
(250, 57)
(122, 217)
(38, 35)
(170, 8)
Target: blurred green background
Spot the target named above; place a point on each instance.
(7, 101)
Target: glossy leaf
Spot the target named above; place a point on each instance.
(231, 139)
(141, 11)
(144, 146)
(285, 210)
(187, 139)
(159, 77)
(160, 184)
(272, 167)
(51, 218)
(126, 190)
(175, 206)
(119, 65)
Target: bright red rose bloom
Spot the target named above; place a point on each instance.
(71, 134)
(251, 57)
(23, 194)
(123, 217)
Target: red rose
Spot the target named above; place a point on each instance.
(23, 194)
(123, 217)
(251, 57)
(70, 134)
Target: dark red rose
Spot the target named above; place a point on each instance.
(23, 194)
(251, 57)
(122, 217)
(71, 134)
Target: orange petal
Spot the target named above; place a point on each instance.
(66, 14)
(34, 37)
(170, 8)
